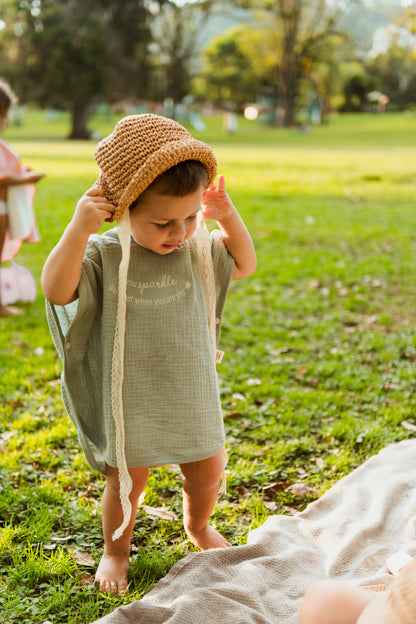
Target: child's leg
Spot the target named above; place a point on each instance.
(113, 568)
(200, 492)
(333, 602)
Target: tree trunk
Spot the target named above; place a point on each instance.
(289, 12)
(289, 89)
(79, 119)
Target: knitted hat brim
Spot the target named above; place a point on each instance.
(169, 155)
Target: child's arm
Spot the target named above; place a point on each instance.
(218, 206)
(62, 270)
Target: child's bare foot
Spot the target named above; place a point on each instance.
(208, 538)
(111, 574)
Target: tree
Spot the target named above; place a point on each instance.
(306, 28)
(175, 31)
(228, 77)
(356, 89)
(71, 53)
(395, 67)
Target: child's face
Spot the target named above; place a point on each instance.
(162, 222)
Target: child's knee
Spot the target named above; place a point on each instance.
(138, 476)
(332, 602)
(205, 473)
(313, 604)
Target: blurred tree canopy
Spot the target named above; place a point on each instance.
(73, 53)
(238, 65)
(394, 70)
(287, 44)
(175, 31)
(70, 53)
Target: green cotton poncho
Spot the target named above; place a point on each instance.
(171, 403)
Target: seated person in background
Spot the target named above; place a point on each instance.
(12, 173)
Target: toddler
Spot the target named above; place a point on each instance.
(135, 315)
(19, 225)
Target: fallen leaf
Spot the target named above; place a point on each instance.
(259, 453)
(253, 382)
(49, 546)
(290, 511)
(314, 284)
(81, 557)
(238, 397)
(7, 435)
(86, 579)
(159, 512)
(271, 506)
(318, 461)
(54, 382)
(278, 351)
(301, 372)
(88, 492)
(18, 343)
(232, 415)
(14, 404)
(175, 540)
(408, 426)
(277, 486)
(302, 490)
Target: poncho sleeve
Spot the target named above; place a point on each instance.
(70, 325)
(76, 333)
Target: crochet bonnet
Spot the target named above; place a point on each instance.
(141, 148)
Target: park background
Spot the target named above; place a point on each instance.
(320, 350)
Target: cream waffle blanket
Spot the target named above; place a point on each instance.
(347, 534)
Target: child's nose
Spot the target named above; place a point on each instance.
(178, 229)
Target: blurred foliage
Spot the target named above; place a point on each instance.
(68, 54)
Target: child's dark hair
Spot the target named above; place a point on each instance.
(7, 98)
(180, 180)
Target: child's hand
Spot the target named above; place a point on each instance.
(216, 204)
(91, 212)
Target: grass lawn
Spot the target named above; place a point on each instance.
(318, 372)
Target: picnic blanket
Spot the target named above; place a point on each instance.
(347, 534)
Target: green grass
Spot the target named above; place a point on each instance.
(320, 351)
